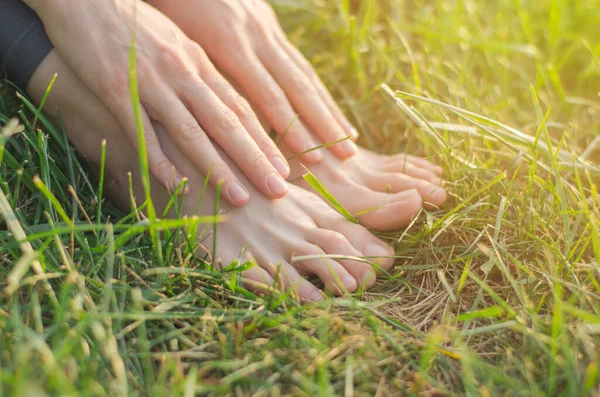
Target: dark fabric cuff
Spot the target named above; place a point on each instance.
(23, 42)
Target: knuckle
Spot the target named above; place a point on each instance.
(260, 162)
(117, 82)
(266, 144)
(190, 130)
(265, 32)
(337, 239)
(298, 77)
(116, 92)
(219, 171)
(273, 96)
(241, 106)
(176, 61)
(311, 249)
(227, 119)
(305, 65)
(150, 138)
(162, 166)
(114, 103)
(197, 51)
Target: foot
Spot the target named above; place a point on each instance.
(386, 191)
(287, 238)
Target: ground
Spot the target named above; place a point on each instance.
(497, 293)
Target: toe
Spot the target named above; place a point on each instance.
(397, 182)
(257, 280)
(414, 166)
(287, 278)
(373, 248)
(391, 212)
(334, 243)
(375, 210)
(335, 277)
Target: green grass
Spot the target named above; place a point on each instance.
(498, 293)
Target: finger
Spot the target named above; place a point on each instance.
(240, 106)
(159, 166)
(191, 139)
(334, 243)
(335, 277)
(264, 91)
(224, 126)
(306, 100)
(324, 93)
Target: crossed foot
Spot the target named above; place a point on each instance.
(288, 238)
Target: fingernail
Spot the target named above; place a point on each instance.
(277, 185)
(349, 282)
(349, 147)
(237, 192)
(315, 296)
(368, 279)
(354, 133)
(281, 166)
(377, 250)
(437, 181)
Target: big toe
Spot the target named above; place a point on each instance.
(363, 242)
(389, 212)
(433, 195)
(339, 246)
(414, 166)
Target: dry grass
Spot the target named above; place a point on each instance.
(498, 293)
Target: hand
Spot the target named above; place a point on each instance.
(179, 88)
(244, 39)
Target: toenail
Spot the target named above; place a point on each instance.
(349, 282)
(281, 166)
(348, 146)
(368, 279)
(315, 296)
(237, 192)
(276, 184)
(377, 250)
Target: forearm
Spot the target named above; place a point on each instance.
(23, 42)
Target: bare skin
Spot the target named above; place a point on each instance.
(252, 48)
(392, 189)
(386, 192)
(179, 88)
(274, 233)
(253, 52)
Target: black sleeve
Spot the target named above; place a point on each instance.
(23, 42)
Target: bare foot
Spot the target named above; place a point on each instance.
(287, 237)
(392, 189)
